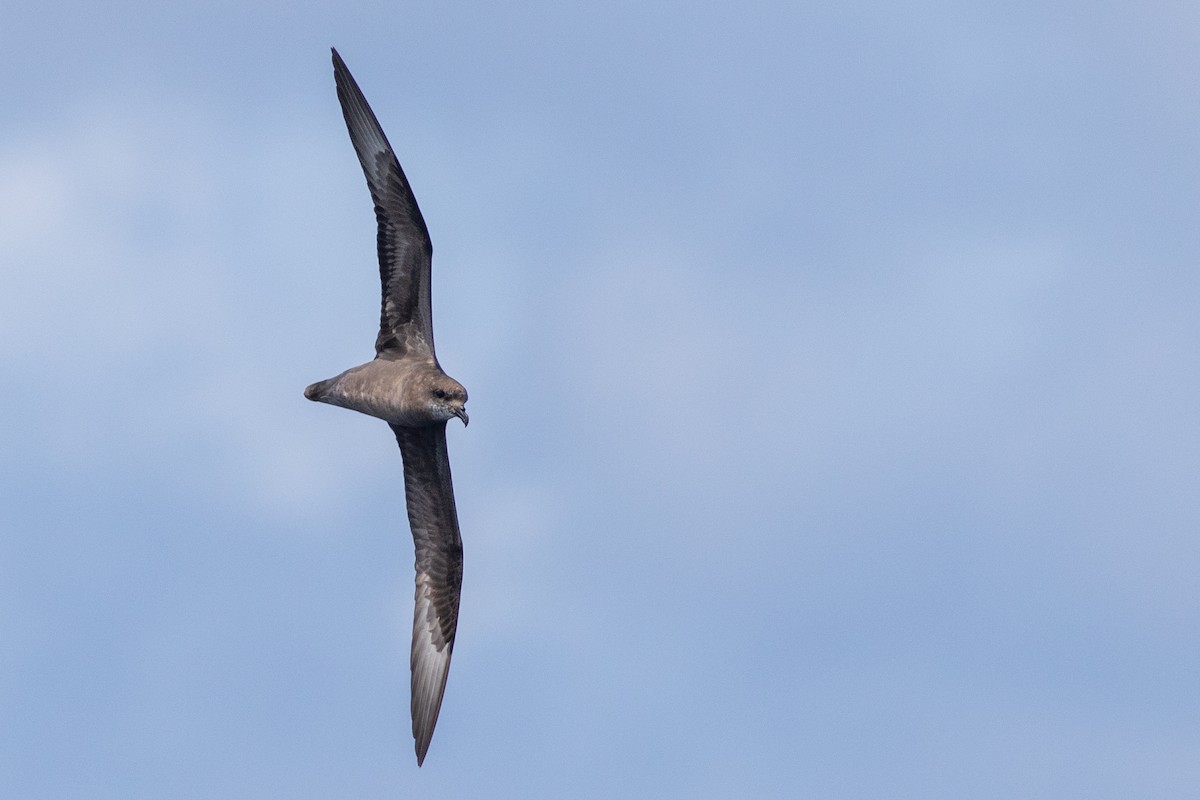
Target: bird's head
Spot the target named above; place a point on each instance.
(448, 398)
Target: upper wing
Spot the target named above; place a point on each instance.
(405, 252)
(434, 523)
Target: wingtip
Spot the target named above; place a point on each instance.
(421, 742)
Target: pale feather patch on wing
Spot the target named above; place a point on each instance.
(430, 666)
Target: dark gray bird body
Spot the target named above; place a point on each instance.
(405, 386)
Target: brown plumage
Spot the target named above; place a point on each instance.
(405, 386)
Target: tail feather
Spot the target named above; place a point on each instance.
(317, 390)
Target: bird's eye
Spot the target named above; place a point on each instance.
(438, 393)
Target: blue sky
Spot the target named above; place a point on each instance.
(833, 395)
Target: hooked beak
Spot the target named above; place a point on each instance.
(462, 414)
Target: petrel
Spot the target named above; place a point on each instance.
(405, 386)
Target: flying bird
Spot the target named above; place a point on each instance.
(405, 386)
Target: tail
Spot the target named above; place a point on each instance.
(317, 390)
